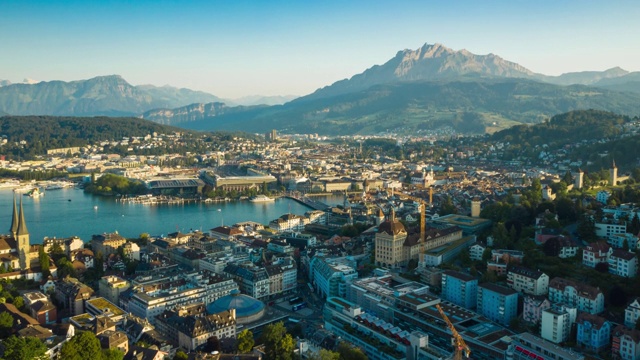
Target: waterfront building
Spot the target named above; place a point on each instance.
(528, 281)
(107, 244)
(15, 248)
(497, 303)
(573, 294)
(593, 332)
(460, 288)
(66, 244)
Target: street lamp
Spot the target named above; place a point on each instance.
(221, 217)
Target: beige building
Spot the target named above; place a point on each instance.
(110, 287)
(389, 243)
(107, 244)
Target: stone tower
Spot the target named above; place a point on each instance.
(578, 182)
(475, 207)
(22, 241)
(613, 174)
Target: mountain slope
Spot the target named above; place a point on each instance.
(261, 100)
(103, 95)
(468, 105)
(429, 62)
(172, 97)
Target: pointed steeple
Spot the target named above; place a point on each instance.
(22, 224)
(614, 164)
(14, 219)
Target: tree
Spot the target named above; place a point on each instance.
(19, 348)
(278, 343)
(448, 207)
(325, 354)
(18, 302)
(551, 247)
(180, 355)
(244, 341)
(212, 344)
(112, 354)
(349, 352)
(586, 229)
(6, 323)
(602, 267)
(43, 258)
(83, 346)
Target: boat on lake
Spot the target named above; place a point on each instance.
(261, 199)
(34, 193)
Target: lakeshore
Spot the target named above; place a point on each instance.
(69, 212)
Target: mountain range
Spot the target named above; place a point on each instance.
(421, 89)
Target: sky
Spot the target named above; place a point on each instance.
(237, 48)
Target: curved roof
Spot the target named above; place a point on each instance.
(392, 227)
(245, 305)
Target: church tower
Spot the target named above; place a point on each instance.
(14, 219)
(22, 241)
(613, 174)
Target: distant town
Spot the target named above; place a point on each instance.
(443, 247)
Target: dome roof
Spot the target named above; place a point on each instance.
(245, 305)
(392, 227)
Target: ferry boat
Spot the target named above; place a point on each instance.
(261, 199)
(34, 193)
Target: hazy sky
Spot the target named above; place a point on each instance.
(235, 48)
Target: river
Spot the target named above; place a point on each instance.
(69, 212)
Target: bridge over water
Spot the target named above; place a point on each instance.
(314, 204)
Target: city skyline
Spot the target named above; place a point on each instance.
(240, 48)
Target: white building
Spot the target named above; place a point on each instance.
(528, 281)
(632, 313)
(167, 290)
(596, 253)
(618, 241)
(606, 229)
(570, 293)
(623, 263)
(476, 251)
(330, 277)
(557, 322)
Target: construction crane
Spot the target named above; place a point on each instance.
(460, 346)
(423, 207)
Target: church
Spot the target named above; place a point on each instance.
(16, 252)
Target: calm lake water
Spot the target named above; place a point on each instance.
(54, 215)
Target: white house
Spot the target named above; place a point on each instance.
(632, 313)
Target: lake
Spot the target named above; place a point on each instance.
(85, 215)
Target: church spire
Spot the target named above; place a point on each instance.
(22, 224)
(614, 164)
(14, 219)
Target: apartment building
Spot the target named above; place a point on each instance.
(110, 287)
(623, 263)
(252, 280)
(626, 343)
(527, 281)
(330, 276)
(151, 295)
(556, 323)
(497, 303)
(460, 288)
(573, 294)
(632, 313)
(593, 332)
(595, 253)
